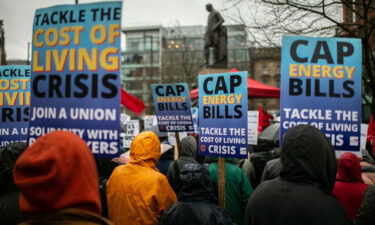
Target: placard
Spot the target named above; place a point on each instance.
(14, 103)
(223, 115)
(172, 107)
(321, 86)
(252, 127)
(76, 74)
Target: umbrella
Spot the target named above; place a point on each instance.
(271, 133)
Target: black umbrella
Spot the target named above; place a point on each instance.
(271, 133)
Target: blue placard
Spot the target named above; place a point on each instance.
(14, 103)
(223, 115)
(321, 86)
(76, 74)
(172, 107)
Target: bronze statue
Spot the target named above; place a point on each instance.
(215, 37)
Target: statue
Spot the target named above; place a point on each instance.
(215, 37)
(2, 45)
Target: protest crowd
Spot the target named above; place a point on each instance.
(311, 186)
(70, 156)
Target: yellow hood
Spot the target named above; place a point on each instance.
(145, 149)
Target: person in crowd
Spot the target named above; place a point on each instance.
(9, 208)
(368, 164)
(247, 168)
(261, 155)
(237, 189)
(186, 155)
(366, 215)
(303, 193)
(272, 169)
(197, 203)
(137, 193)
(58, 182)
(349, 187)
(105, 168)
(167, 153)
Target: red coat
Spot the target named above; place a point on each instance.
(349, 187)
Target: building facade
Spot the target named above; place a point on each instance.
(156, 54)
(266, 68)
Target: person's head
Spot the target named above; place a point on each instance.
(8, 157)
(188, 146)
(308, 157)
(57, 172)
(196, 184)
(145, 149)
(349, 169)
(209, 7)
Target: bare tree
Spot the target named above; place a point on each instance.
(268, 20)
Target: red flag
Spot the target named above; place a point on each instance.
(260, 119)
(370, 129)
(371, 132)
(132, 103)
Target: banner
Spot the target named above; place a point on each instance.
(321, 86)
(76, 74)
(223, 115)
(172, 107)
(131, 129)
(252, 127)
(14, 103)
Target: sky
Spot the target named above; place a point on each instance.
(18, 17)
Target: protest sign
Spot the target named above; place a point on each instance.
(321, 86)
(223, 115)
(124, 118)
(131, 129)
(194, 117)
(76, 74)
(172, 137)
(364, 128)
(14, 103)
(172, 107)
(252, 127)
(150, 121)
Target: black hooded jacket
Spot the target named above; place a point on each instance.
(9, 209)
(187, 155)
(303, 193)
(196, 200)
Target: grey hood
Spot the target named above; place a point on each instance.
(188, 147)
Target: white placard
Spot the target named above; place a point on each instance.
(123, 119)
(172, 137)
(150, 121)
(252, 127)
(364, 128)
(131, 130)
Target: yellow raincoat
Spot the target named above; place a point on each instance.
(137, 193)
